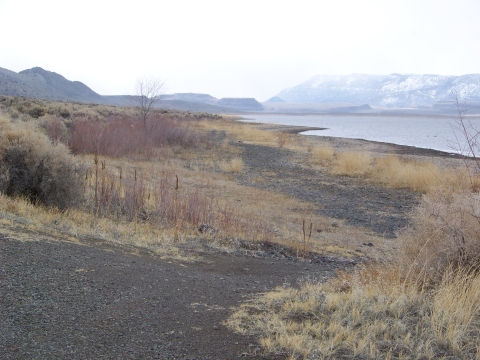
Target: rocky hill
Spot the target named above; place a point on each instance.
(42, 84)
(390, 91)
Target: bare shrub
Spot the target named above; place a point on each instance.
(117, 136)
(446, 232)
(153, 198)
(32, 167)
(352, 163)
(55, 128)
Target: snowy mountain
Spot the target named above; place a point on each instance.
(392, 91)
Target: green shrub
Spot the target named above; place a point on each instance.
(32, 167)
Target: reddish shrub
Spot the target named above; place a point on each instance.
(119, 137)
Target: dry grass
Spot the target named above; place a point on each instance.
(27, 222)
(235, 165)
(422, 303)
(371, 313)
(351, 163)
(390, 171)
(238, 131)
(323, 153)
(402, 173)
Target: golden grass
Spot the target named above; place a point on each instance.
(323, 153)
(402, 173)
(33, 222)
(351, 163)
(371, 313)
(235, 165)
(390, 171)
(241, 131)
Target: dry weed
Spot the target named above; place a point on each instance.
(371, 313)
(240, 131)
(351, 163)
(402, 173)
(446, 231)
(323, 153)
(235, 165)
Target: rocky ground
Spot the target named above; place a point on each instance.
(92, 299)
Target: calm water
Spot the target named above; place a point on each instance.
(430, 133)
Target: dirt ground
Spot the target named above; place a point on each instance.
(93, 299)
(97, 300)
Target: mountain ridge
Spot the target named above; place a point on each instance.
(388, 91)
(48, 85)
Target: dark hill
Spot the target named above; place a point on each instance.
(43, 84)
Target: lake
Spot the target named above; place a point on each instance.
(423, 132)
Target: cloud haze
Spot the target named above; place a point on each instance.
(237, 49)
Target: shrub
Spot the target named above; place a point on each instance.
(33, 167)
(119, 137)
(36, 112)
(446, 233)
(54, 128)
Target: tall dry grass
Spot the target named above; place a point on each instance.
(235, 165)
(323, 153)
(402, 173)
(372, 313)
(446, 232)
(351, 163)
(390, 171)
(153, 198)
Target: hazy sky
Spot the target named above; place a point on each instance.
(237, 48)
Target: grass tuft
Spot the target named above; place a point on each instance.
(235, 165)
(402, 173)
(323, 153)
(352, 163)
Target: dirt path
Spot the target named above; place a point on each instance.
(97, 300)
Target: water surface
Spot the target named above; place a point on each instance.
(424, 132)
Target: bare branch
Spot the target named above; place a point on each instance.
(147, 91)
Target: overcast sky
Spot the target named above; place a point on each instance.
(237, 48)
